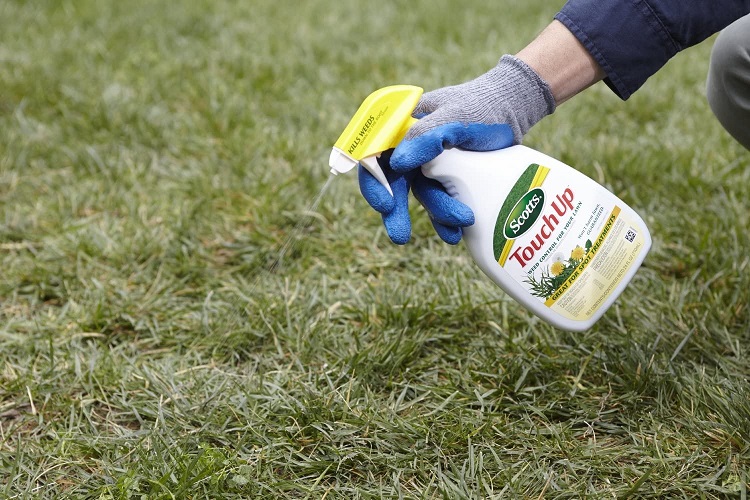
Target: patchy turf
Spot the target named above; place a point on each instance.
(154, 160)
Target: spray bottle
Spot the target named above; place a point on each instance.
(555, 240)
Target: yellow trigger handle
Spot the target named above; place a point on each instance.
(381, 121)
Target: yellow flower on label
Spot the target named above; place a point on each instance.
(556, 268)
(577, 253)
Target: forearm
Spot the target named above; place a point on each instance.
(632, 40)
(562, 61)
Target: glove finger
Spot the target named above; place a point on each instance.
(413, 153)
(393, 209)
(397, 222)
(449, 234)
(482, 137)
(430, 101)
(443, 208)
(447, 214)
(428, 142)
(374, 192)
(465, 133)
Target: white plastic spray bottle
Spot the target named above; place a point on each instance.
(552, 238)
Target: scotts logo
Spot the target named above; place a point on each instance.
(524, 214)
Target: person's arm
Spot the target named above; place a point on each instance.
(621, 41)
(493, 111)
(631, 40)
(562, 61)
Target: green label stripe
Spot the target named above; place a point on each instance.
(520, 188)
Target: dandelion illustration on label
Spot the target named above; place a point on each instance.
(577, 253)
(558, 264)
(557, 268)
(558, 272)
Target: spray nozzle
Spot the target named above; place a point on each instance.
(379, 124)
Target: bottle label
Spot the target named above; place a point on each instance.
(568, 245)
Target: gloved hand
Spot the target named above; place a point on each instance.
(448, 215)
(491, 112)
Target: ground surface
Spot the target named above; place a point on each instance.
(155, 157)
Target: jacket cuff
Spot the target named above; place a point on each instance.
(626, 38)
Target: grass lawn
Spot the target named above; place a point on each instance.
(156, 156)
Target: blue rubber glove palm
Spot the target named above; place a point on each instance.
(491, 112)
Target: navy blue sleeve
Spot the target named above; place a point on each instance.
(632, 39)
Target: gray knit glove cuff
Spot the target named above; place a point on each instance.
(510, 93)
